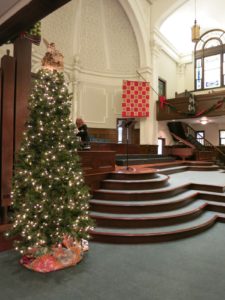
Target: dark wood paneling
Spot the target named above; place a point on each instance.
(27, 16)
(94, 180)
(7, 122)
(122, 148)
(110, 134)
(22, 53)
(97, 161)
(102, 133)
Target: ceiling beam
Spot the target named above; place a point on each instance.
(27, 16)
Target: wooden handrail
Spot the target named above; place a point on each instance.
(206, 142)
(185, 142)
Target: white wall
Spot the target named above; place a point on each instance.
(189, 77)
(108, 53)
(58, 27)
(211, 131)
(163, 132)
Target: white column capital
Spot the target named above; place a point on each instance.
(181, 68)
(155, 47)
(145, 73)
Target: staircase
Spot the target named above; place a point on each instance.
(142, 207)
(186, 135)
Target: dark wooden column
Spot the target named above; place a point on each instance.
(22, 54)
(7, 128)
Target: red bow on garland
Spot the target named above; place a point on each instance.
(35, 39)
(162, 100)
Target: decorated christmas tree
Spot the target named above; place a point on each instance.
(49, 196)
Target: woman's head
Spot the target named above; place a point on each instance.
(79, 122)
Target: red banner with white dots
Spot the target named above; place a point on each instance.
(135, 99)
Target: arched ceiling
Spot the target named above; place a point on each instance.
(176, 27)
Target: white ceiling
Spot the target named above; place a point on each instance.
(9, 7)
(177, 27)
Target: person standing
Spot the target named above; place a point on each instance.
(83, 134)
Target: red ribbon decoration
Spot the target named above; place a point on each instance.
(162, 100)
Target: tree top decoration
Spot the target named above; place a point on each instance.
(53, 59)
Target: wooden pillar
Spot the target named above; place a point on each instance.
(7, 128)
(22, 54)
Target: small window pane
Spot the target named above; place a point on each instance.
(200, 135)
(222, 133)
(222, 37)
(222, 141)
(120, 135)
(222, 137)
(212, 71)
(199, 73)
(212, 43)
(198, 63)
(199, 84)
(223, 68)
(199, 45)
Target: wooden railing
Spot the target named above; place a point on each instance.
(178, 107)
(207, 146)
(185, 142)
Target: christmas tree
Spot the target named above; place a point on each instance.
(49, 196)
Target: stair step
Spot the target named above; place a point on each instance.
(159, 181)
(131, 206)
(172, 170)
(154, 234)
(149, 219)
(191, 167)
(118, 195)
(197, 204)
(204, 168)
(134, 174)
(158, 178)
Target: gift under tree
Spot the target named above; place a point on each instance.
(49, 196)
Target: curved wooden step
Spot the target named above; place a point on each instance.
(118, 195)
(158, 181)
(184, 214)
(129, 209)
(146, 206)
(156, 234)
(133, 173)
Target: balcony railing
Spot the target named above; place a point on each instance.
(212, 104)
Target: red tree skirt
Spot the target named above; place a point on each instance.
(60, 257)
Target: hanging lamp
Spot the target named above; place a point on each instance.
(195, 30)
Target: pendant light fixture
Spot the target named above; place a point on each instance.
(195, 30)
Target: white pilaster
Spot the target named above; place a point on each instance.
(149, 126)
(181, 68)
(75, 87)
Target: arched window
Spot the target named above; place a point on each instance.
(210, 60)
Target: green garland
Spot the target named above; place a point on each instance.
(35, 30)
(33, 34)
(194, 115)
